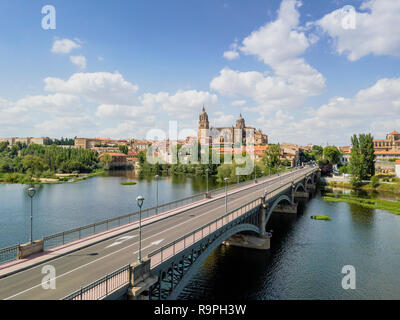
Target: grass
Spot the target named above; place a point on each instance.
(322, 217)
(129, 183)
(391, 206)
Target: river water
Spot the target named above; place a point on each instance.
(306, 256)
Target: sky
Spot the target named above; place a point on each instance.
(304, 71)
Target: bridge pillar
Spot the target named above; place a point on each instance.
(140, 280)
(249, 241)
(311, 187)
(301, 195)
(286, 208)
(262, 216)
(260, 242)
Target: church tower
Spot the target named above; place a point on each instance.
(204, 125)
(240, 124)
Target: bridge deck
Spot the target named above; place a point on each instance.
(85, 266)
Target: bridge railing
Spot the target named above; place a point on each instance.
(8, 254)
(119, 278)
(61, 238)
(164, 253)
(103, 287)
(169, 250)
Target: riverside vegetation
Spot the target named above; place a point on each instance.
(49, 164)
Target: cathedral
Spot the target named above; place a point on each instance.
(227, 135)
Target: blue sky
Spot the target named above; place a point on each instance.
(122, 68)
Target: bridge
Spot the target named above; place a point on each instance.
(177, 238)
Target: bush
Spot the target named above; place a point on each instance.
(374, 182)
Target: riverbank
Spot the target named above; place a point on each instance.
(383, 187)
(390, 206)
(22, 178)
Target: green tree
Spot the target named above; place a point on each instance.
(123, 149)
(355, 164)
(272, 157)
(332, 154)
(106, 161)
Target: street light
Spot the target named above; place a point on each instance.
(226, 194)
(207, 171)
(157, 176)
(139, 201)
(31, 194)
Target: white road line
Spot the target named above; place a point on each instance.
(120, 241)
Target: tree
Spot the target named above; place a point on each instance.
(272, 157)
(317, 152)
(368, 155)
(106, 160)
(123, 149)
(355, 164)
(332, 154)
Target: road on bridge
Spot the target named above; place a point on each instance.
(85, 266)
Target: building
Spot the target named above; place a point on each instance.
(27, 141)
(223, 135)
(391, 143)
(118, 160)
(344, 158)
(397, 168)
(383, 155)
(290, 152)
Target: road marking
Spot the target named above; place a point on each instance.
(157, 242)
(120, 241)
(64, 274)
(114, 252)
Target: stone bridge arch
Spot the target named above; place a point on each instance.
(202, 252)
(300, 186)
(271, 209)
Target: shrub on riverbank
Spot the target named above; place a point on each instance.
(391, 206)
(322, 217)
(128, 183)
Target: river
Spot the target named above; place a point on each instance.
(306, 256)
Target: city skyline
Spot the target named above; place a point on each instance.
(277, 62)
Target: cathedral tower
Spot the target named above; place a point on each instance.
(204, 125)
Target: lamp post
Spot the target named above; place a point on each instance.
(226, 195)
(207, 171)
(139, 201)
(157, 176)
(31, 194)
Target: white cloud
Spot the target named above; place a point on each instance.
(79, 61)
(99, 87)
(122, 111)
(231, 55)
(238, 103)
(221, 119)
(278, 44)
(53, 103)
(59, 126)
(375, 30)
(375, 109)
(183, 103)
(278, 41)
(65, 46)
